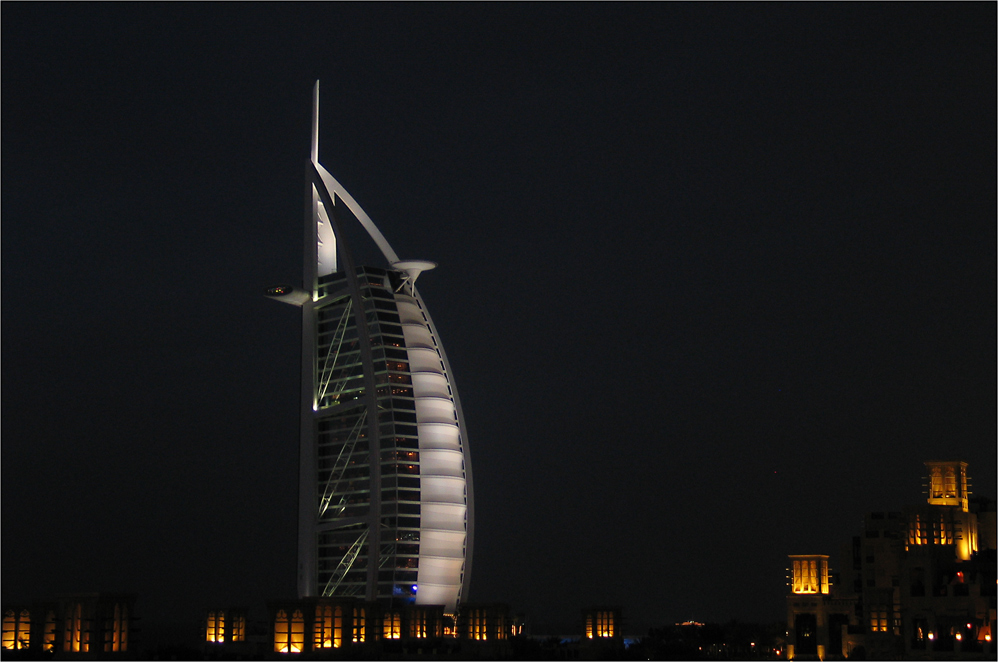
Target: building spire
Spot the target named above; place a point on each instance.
(315, 123)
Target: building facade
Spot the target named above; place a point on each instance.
(918, 583)
(95, 624)
(385, 490)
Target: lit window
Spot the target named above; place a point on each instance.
(477, 625)
(77, 632)
(328, 627)
(216, 627)
(499, 627)
(359, 624)
(604, 624)
(289, 634)
(949, 488)
(417, 625)
(393, 625)
(239, 627)
(16, 629)
(48, 635)
(878, 619)
(281, 632)
(297, 639)
(810, 576)
(917, 533)
(116, 630)
(9, 629)
(936, 482)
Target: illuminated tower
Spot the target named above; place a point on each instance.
(385, 491)
(948, 483)
(810, 574)
(946, 519)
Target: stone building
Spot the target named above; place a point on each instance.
(915, 584)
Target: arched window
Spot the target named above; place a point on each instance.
(77, 631)
(77, 634)
(936, 482)
(328, 627)
(9, 629)
(949, 486)
(16, 629)
(322, 631)
(289, 634)
(296, 639)
(116, 630)
(48, 635)
(393, 625)
(281, 632)
(417, 624)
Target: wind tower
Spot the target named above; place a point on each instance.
(385, 508)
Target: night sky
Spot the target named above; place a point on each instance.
(714, 281)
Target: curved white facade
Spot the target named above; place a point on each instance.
(385, 503)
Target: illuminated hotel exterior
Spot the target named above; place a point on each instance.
(385, 491)
(918, 583)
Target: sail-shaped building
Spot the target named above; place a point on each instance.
(385, 489)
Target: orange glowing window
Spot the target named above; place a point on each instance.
(944, 535)
(322, 637)
(392, 628)
(417, 625)
(328, 627)
(878, 619)
(810, 575)
(297, 639)
(9, 629)
(499, 627)
(77, 632)
(359, 624)
(604, 624)
(48, 634)
(116, 630)
(16, 629)
(215, 632)
(949, 486)
(917, 532)
(281, 631)
(238, 628)
(289, 634)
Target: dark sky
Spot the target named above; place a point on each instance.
(714, 281)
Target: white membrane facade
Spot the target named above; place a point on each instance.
(385, 499)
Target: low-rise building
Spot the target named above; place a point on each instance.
(915, 584)
(98, 625)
